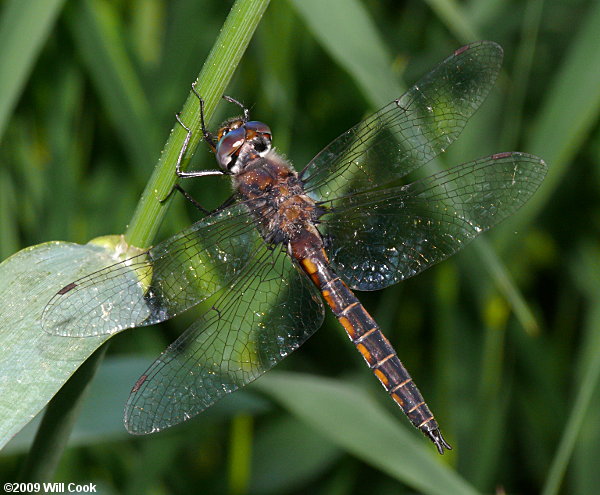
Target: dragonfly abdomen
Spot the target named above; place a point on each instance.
(375, 348)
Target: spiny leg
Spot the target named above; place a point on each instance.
(241, 105)
(184, 147)
(191, 199)
(207, 137)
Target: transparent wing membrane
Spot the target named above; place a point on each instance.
(381, 237)
(408, 132)
(158, 284)
(268, 314)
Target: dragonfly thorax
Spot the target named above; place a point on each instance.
(275, 195)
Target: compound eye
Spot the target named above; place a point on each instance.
(259, 135)
(259, 128)
(228, 146)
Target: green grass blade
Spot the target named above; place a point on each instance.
(521, 73)
(345, 30)
(505, 284)
(240, 453)
(568, 113)
(352, 420)
(24, 26)
(100, 40)
(584, 476)
(455, 20)
(277, 468)
(9, 232)
(589, 270)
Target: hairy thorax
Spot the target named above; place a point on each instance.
(271, 189)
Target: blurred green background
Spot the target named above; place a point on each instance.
(88, 93)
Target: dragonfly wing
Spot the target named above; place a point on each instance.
(410, 131)
(159, 283)
(251, 326)
(380, 237)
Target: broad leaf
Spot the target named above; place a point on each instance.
(33, 364)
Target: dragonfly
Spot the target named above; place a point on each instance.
(262, 266)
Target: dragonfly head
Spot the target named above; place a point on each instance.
(241, 141)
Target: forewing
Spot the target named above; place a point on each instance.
(268, 314)
(159, 283)
(410, 131)
(381, 237)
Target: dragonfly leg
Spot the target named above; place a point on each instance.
(182, 152)
(208, 137)
(228, 202)
(241, 105)
(191, 199)
(186, 195)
